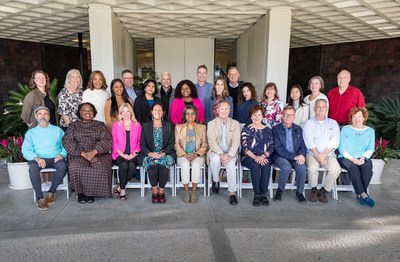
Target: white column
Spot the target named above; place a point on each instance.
(101, 39)
(278, 46)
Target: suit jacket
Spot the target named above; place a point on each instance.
(147, 140)
(142, 109)
(209, 108)
(201, 139)
(279, 134)
(214, 136)
(119, 138)
(178, 106)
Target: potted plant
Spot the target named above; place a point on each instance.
(381, 155)
(18, 169)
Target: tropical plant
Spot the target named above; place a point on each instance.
(151, 74)
(12, 148)
(10, 121)
(383, 151)
(387, 121)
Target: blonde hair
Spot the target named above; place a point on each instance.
(92, 76)
(70, 72)
(225, 92)
(121, 107)
(32, 84)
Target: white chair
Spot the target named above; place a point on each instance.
(344, 188)
(224, 184)
(324, 173)
(290, 185)
(170, 184)
(47, 184)
(242, 185)
(201, 184)
(139, 184)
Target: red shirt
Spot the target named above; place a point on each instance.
(341, 104)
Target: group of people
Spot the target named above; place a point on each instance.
(189, 125)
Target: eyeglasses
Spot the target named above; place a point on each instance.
(288, 115)
(190, 113)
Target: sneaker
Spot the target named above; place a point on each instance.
(313, 196)
(264, 200)
(322, 197)
(186, 196)
(215, 187)
(366, 201)
(233, 200)
(301, 198)
(256, 200)
(50, 198)
(193, 197)
(42, 204)
(278, 196)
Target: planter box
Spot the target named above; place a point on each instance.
(377, 168)
(19, 176)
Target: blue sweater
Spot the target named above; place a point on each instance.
(356, 142)
(242, 112)
(43, 142)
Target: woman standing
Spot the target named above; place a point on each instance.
(145, 101)
(158, 154)
(185, 94)
(356, 147)
(88, 143)
(246, 100)
(69, 98)
(39, 96)
(126, 147)
(256, 150)
(302, 109)
(220, 92)
(118, 97)
(272, 105)
(96, 93)
(316, 85)
(191, 146)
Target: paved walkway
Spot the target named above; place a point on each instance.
(211, 230)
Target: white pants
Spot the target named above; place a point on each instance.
(333, 171)
(215, 167)
(185, 165)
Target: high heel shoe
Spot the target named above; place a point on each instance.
(161, 198)
(155, 198)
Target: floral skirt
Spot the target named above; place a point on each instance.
(166, 160)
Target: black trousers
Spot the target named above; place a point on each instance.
(127, 168)
(158, 174)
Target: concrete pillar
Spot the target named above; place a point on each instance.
(278, 45)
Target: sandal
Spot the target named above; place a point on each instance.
(123, 197)
(116, 191)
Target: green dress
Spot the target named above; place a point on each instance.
(166, 160)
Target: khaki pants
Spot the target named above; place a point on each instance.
(215, 167)
(333, 168)
(185, 165)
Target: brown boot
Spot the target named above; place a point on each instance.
(313, 196)
(322, 197)
(50, 198)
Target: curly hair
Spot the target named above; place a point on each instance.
(252, 89)
(178, 89)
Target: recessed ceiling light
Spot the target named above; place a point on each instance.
(363, 13)
(346, 4)
(83, 41)
(187, 25)
(376, 21)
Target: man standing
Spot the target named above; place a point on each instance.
(127, 78)
(321, 136)
(224, 139)
(204, 89)
(43, 148)
(343, 98)
(290, 152)
(166, 92)
(233, 85)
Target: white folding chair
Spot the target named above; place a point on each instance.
(138, 184)
(224, 184)
(201, 184)
(275, 185)
(344, 188)
(324, 173)
(47, 184)
(170, 184)
(243, 185)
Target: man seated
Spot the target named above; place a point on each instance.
(290, 152)
(223, 135)
(321, 136)
(43, 148)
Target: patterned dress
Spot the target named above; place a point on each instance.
(91, 179)
(258, 141)
(273, 111)
(68, 103)
(166, 160)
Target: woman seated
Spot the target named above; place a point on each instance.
(272, 105)
(246, 100)
(157, 153)
(257, 147)
(126, 147)
(296, 100)
(191, 146)
(220, 92)
(145, 101)
(118, 97)
(88, 143)
(185, 94)
(356, 147)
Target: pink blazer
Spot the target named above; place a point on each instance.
(177, 107)
(119, 138)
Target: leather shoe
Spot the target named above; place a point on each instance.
(322, 196)
(278, 196)
(264, 200)
(313, 196)
(256, 200)
(215, 187)
(301, 198)
(233, 200)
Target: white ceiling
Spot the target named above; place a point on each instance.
(313, 22)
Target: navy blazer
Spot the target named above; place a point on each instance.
(147, 140)
(279, 135)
